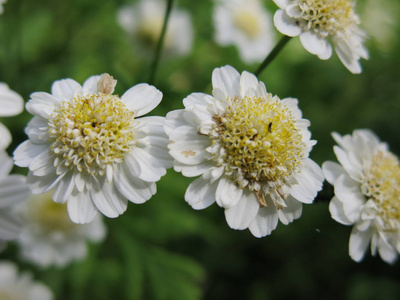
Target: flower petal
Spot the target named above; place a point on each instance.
(27, 152)
(5, 137)
(141, 98)
(332, 171)
(11, 103)
(285, 24)
(348, 192)
(358, 243)
(227, 194)
(265, 221)
(291, 212)
(337, 212)
(65, 89)
(13, 189)
(316, 44)
(227, 80)
(243, 213)
(42, 104)
(108, 200)
(81, 209)
(90, 85)
(201, 193)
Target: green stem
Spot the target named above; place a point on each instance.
(272, 54)
(160, 43)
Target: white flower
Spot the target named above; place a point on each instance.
(251, 150)
(13, 189)
(144, 21)
(367, 193)
(317, 20)
(20, 286)
(89, 146)
(11, 104)
(49, 237)
(1, 6)
(246, 24)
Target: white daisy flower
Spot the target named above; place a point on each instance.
(367, 194)
(144, 20)
(48, 236)
(250, 148)
(13, 189)
(316, 21)
(20, 286)
(245, 24)
(11, 104)
(89, 146)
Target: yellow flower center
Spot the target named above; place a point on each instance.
(382, 185)
(261, 146)
(50, 216)
(327, 17)
(248, 23)
(90, 133)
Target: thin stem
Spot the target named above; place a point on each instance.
(272, 54)
(160, 43)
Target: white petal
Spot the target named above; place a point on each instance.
(285, 24)
(227, 194)
(37, 130)
(282, 3)
(42, 104)
(346, 55)
(11, 103)
(348, 192)
(133, 188)
(348, 165)
(64, 188)
(193, 170)
(43, 184)
(109, 201)
(316, 44)
(358, 244)
(40, 161)
(332, 171)
(10, 225)
(90, 85)
(6, 164)
(265, 221)
(141, 98)
(387, 252)
(5, 137)
(201, 193)
(13, 190)
(65, 89)
(27, 152)
(174, 119)
(242, 214)
(148, 168)
(227, 80)
(309, 182)
(248, 85)
(292, 104)
(81, 209)
(291, 212)
(337, 212)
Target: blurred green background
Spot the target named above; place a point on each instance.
(163, 249)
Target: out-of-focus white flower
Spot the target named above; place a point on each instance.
(1, 6)
(250, 148)
(14, 286)
(89, 145)
(49, 237)
(13, 189)
(11, 104)
(367, 194)
(317, 20)
(245, 24)
(144, 21)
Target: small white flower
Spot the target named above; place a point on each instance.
(90, 147)
(144, 20)
(1, 6)
(11, 104)
(367, 194)
(316, 21)
(246, 24)
(13, 189)
(49, 237)
(250, 148)
(20, 286)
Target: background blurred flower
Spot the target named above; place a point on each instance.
(251, 150)
(88, 145)
(367, 193)
(144, 20)
(11, 104)
(20, 286)
(49, 237)
(316, 21)
(13, 189)
(1, 5)
(245, 24)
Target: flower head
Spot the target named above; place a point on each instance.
(316, 21)
(250, 148)
(49, 237)
(13, 190)
(245, 24)
(367, 193)
(89, 145)
(20, 286)
(11, 104)
(144, 21)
